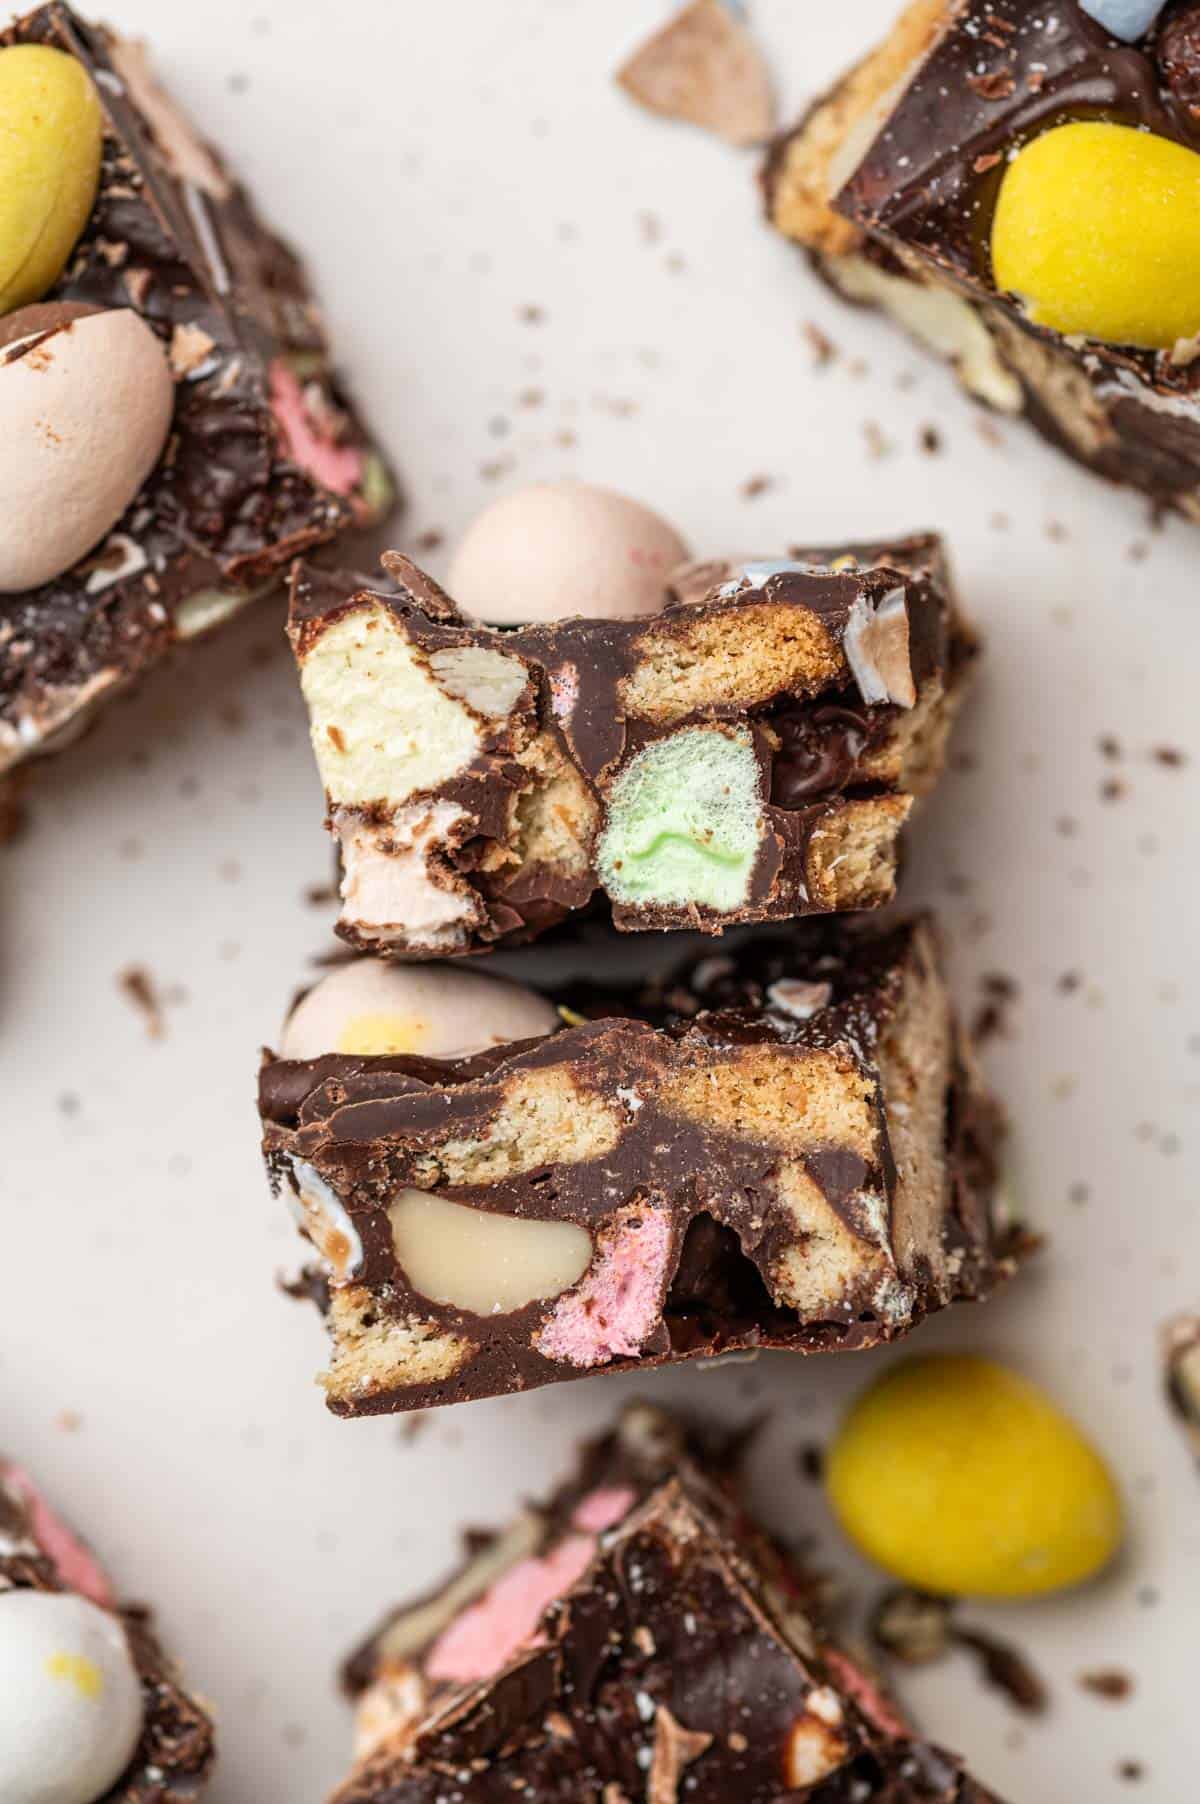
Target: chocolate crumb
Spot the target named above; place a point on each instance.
(138, 986)
(1110, 747)
(811, 1461)
(1170, 756)
(824, 351)
(431, 540)
(912, 1626)
(1131, 1770)
(1007, 1670)
(754, 486)
(1107, 1682)
(930, 440)
(1112, 790)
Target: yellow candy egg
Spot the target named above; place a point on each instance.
(1097, 230)
(960, 1477)
(51, 128)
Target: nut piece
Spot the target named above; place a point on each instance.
(877, 650)
(815, 1747)
(484, 1263)
(799, 1000)
(704, 67)
(675, 1748)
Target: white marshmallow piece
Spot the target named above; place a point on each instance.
(1125, 19)
(71, 1706)
(372, 1006)
(84, 416)
(558, 549)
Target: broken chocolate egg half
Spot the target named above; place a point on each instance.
(372, 1007)
(71, 1707)
(559, 549)
(85, 410)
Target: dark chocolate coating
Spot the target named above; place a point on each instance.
(686, 1609)
(225, 506)
(1003, 72)
(814, 748)
(369, 1125)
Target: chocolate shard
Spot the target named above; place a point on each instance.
(694, 1165)
(890, 183)
(265, 456)
(174, 1756)
(704, 67)
(634, 1638)
(749, 754)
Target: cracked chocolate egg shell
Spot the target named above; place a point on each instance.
(84, 414)
(374, 1007)
(558, 549)
(71, 1706)
(49, 166)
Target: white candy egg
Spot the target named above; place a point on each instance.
(561, 548)
(70, 1699)
(84, 416)
(372, 1006)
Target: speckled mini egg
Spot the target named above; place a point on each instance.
(558, 549)
(84, 415)
(71, 1705)
(372, 1006)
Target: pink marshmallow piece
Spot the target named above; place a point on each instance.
(866, 1694)
(611, 1312)
(336, 467)
(603, 1508)
(487, 1635)
(74, 1562)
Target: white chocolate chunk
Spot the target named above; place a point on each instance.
(813, 1751)
(478, 1261)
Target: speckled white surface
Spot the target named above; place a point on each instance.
(529, 278)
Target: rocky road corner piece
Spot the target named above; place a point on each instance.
(783, 1146)
(1019, 186)
(172, 434)
(635, 1637)
(750, 753)
(91, 1711)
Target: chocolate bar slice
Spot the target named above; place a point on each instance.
(90, 1706)
(634, 1638)
(964, 176)
(196, 440)
(782, 1147)
(748, 754)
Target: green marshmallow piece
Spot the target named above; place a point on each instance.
(685, 821)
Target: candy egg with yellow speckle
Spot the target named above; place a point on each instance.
(71, 1706)
(373, 1007)
(1097, 232)
(961, 1477)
